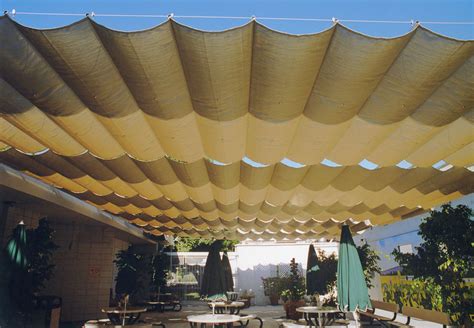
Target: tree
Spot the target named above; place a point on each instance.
(159, 264)
(326, 276)
(444, 258)
(188, 244)
(134, 274)
(370, 262)
(40, 253)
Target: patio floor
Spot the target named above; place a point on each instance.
(272, 316)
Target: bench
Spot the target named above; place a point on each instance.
(423, 314)
(371, 315)
(174, 305)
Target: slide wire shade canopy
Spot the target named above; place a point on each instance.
(222, 134)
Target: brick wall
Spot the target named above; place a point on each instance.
(84, 270)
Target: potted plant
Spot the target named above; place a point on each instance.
(272, 288)
(293, 296)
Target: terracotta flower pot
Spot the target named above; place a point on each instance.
(290, 309)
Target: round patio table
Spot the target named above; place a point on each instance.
(232, 307)
(319, 313)
(213, 319)
(132, 314)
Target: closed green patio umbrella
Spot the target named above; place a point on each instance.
(16, 247)
(13, 285)
(213, 280)
(352, 291)
(312, 269)
(229, 281)
(19, 287)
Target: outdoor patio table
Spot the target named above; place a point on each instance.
(213, 319)
(233, 307)
(318, 313)
(132, 314)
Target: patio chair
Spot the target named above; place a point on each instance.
(163, 302)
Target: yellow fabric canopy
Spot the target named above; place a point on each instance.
(222, 134)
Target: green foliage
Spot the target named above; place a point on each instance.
(40, 252)
(159, 265)
(187, 244)
(327, 274)
(370, 262)
(273, 286)
(416, 293)
(296, 288)
(134, 274)
(444, 259)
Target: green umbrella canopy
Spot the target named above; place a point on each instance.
(312, 269)
(213, 280)
(16, 247)
(352, 292)
(229, 282)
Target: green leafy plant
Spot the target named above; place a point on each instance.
(273, 286)
(444, 259)
(188, 244)
(296, 288)
(40, 252)
(159, 271)
(134, 274)
(326, 275)
(416, 293)
(370, 262)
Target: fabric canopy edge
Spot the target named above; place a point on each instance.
(251, 21)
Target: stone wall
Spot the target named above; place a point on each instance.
(84, 270)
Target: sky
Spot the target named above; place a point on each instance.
(405, 10)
